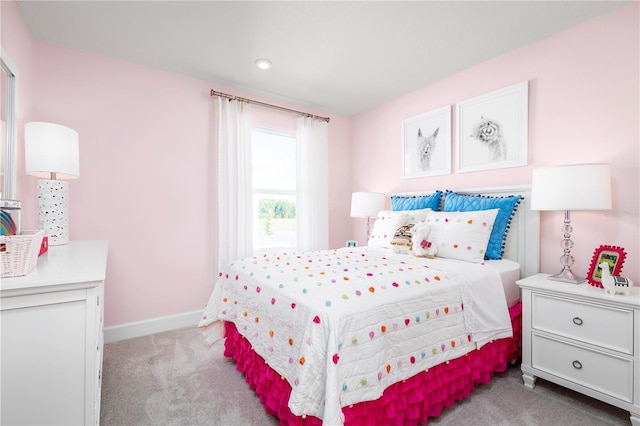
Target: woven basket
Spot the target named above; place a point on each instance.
(19, 253)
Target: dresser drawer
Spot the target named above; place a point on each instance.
(604, 373)
(608, 327)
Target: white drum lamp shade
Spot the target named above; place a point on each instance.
(566, 188)
(52, 153)
(51, 148)
(572, 187)
(366, 204)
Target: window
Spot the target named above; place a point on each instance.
(274, 189)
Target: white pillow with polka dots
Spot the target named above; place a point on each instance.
(461, 235)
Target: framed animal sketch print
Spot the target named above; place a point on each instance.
(492, 130)
(426, 144)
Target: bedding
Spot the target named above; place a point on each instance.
(509, 273)
(414, 202)
(408, 402)
(461, 235)
(507, 205)
(342, 326)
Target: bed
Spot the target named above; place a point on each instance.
(376, 335)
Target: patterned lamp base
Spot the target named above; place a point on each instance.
(53, 210)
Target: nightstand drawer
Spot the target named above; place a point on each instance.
(596, 370)
(608, 327)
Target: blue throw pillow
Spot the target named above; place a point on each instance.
(416, 202)
(454, 202)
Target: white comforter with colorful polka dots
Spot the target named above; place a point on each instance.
(342, 325)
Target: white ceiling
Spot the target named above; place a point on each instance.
(343, 57)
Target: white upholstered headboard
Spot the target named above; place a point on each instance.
(523, 239)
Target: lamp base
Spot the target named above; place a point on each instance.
(53, 210)
(566, 276)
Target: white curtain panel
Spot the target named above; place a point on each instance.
(232, 133)
(312, 203)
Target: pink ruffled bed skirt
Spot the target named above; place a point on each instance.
(411, 401)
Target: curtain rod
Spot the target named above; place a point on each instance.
(251, 101)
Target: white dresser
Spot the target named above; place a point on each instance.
(51, 338)
(584, 339)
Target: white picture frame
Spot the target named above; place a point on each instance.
(426, 144)
(492, 130)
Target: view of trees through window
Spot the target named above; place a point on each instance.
(270, 210)
(274, 189)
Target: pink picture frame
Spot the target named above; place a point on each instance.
(613, 255)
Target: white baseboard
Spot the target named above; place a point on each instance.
(151, 326)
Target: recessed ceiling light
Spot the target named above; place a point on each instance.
(263, 64)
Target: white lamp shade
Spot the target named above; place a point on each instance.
(366, 204)
(51, 148)
(572, 187)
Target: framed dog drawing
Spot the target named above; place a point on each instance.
(426, 144)
(492, 130)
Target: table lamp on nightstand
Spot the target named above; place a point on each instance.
(52, 153)
(571, 187)
(367, 204)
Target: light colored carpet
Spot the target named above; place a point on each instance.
(175, 378)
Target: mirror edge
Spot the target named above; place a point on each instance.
(11, 128)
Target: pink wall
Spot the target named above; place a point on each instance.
(583, 107)
(143, 176)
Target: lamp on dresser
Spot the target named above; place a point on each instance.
(367, 204)
(52, 153)
(566, 188)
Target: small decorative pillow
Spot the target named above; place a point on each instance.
(388, 222)
(507, 205)
(401, 242)
(461, 235)
(416, 202)
(421, 244)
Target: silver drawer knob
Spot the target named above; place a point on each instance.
(577, 365)
(577, 321)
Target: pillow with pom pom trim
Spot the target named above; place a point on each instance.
(461, 235)
(416, 202)
(507, 205)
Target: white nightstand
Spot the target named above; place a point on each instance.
(584, 339)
